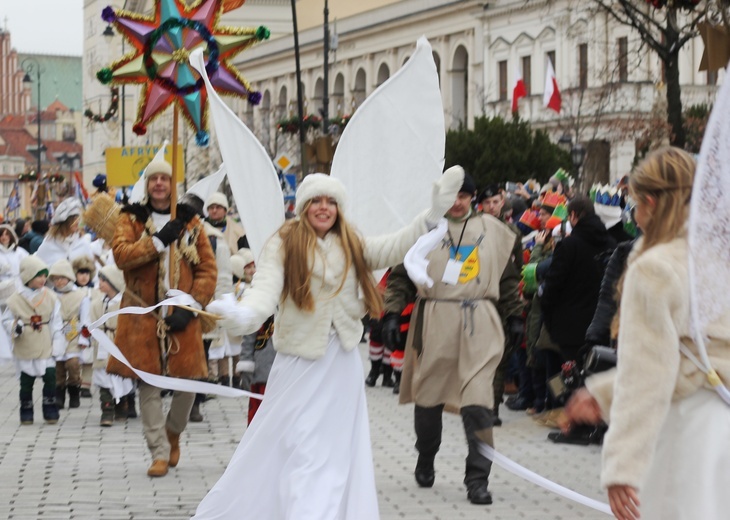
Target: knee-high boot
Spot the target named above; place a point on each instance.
(478, 423)
(428, 425)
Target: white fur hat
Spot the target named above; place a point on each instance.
(114, 276)
(237, 265)
(62, 268)
(30, 267)
(156, 167)
(217, 198)
(317, 184)
(69, 207)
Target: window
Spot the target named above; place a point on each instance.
(550, 55)
(502, 80)
(583, 65)
(623, 59)
(527, 74)
(7, 188)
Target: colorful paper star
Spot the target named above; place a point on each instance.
(159, 59)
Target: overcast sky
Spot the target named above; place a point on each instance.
(45, 26)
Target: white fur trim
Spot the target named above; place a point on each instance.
(156, 167)
(217, 198)
(62, 268)
(317, 184)
(30, 266)
(114, 275)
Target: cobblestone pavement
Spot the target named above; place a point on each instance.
(76, 469)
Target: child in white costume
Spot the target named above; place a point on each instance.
(33, 320)
(108, 299)
(307, 452)
(75, 303)
(257, 348)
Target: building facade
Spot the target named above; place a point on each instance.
(611, 85)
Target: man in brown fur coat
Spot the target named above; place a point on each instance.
(141, 248)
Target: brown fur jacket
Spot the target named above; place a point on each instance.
(195, 274)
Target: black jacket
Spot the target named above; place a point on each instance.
(599, 331)
(570, 290)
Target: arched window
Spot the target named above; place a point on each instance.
(460, 87)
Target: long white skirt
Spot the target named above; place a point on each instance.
(307, 453)
(690, 474)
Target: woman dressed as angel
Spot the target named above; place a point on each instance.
(307, 453)
(666, 455)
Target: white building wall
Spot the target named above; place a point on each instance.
(488, 32)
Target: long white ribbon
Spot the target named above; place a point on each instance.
(169, 383)
(524, 473)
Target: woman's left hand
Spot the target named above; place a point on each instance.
(582, 408)
(624, 502)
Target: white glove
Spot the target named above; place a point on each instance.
(444, 194)
(236, 319)
(415, 262)
(245, 366)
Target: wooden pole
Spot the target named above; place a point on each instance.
(173, 192)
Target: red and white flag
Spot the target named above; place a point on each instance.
(551, 98)
(518, 90)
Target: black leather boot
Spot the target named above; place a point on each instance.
(61, 396)
(372, 377)
(396, 385)
(425, 474)
(73, 397)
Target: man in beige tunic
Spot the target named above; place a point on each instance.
(456, 338)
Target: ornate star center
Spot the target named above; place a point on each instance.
(181, 55)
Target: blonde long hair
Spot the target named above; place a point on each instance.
(666, 176)
(299, 241)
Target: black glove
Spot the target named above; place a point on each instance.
(18, 328)
(140, 212)
(185, 212)
(179, 319)
(391, 331)
(170, 231)
(515, 331)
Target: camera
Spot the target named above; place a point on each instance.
(572, 376)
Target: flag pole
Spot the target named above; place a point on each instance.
(173, 191)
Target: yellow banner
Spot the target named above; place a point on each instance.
(125, 165)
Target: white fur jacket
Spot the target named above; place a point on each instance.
(302, 333)
(651, 371)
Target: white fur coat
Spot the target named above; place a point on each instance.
(305, 334)
(651, 373)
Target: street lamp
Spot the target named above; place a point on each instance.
(30, 66)
(108, 34)
(577, 155)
